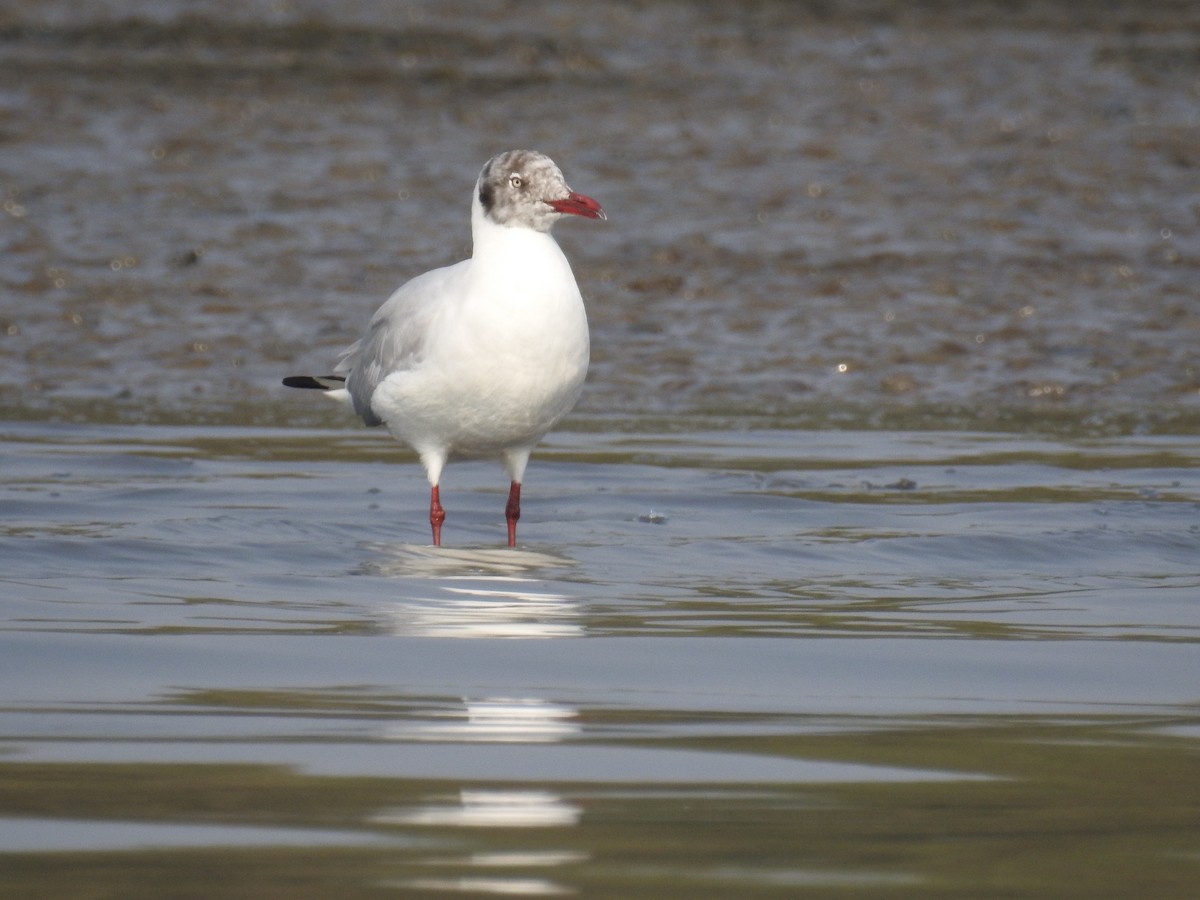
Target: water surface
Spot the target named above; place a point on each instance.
(824, 660)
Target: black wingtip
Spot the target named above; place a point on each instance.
(317, 384)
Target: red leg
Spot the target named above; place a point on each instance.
(512, 511)
(437, 516)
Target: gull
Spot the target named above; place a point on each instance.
(483, 357)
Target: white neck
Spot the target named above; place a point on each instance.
(489, 239)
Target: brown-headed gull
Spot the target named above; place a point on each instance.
(482, 357)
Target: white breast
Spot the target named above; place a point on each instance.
(505, 356)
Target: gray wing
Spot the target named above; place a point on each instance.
(396, 336)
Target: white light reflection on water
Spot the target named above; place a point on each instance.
(509, 887)
(510, 859)
(475, 593)
(494, 884)
(488, 809)
(485, 609)
(499, 719)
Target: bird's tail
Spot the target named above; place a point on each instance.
(334, 386)
(316, 382)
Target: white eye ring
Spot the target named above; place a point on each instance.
(515, 180)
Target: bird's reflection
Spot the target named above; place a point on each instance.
(423, 561)
(486, 608)
(476, 593)
(488, 809)
(494, 719)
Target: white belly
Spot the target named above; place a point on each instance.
(498, 382)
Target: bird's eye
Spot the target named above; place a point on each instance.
(516, 180)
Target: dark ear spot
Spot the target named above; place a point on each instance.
(487, 190)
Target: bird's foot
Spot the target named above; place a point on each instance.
(512, 512)
(437, 516)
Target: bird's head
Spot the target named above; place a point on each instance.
(525, 189)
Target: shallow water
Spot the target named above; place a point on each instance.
(913, 663)
(869, 564)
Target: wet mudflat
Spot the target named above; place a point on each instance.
(870, 563)
(959, 213)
